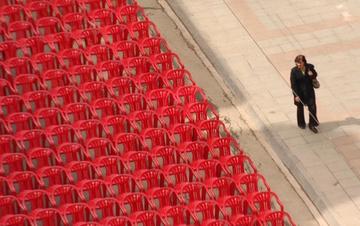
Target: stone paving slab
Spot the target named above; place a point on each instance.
(270, 34)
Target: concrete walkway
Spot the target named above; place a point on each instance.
(252, 44)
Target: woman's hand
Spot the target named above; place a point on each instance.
(297, 99)
(310, 73)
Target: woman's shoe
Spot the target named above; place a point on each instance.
(314, 129)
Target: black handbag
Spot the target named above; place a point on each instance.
(316, 83)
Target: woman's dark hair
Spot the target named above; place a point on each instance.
(300, 58)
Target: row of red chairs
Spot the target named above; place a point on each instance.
(80, 214)
(75, 14)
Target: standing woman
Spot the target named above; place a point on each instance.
(301, 78)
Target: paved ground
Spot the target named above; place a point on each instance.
(252, 44)
(229, 112)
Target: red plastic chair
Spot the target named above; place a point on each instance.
(252, 183)
(121, 184)
(192, 191)
(9, 205)
(59, 41)
(106, 107)
(87, 223)
(178, 173)
(99, 147)
(214, 222)
(59, 134)
(235, 206)
(8, 144)
(197, 112)
(152, 46)
(47, 217)
(10, 162)
(105, 207)
(12, 13)
(27, 82)
(32, 45)
(32, 199)
(86, 38)
(165, 155)
(126, 49)
(115, 33)
(16, 66)
(125, 142)
(143, 29)
(53, 175)
(38, 9)
(133, 202)
(153, 137)
(149, 178)
(149, 82)
(161, 197)
(110, 69)
(207, 168)
(161, 98)
(45, 117)
(48, 26)
(194, 151)
(40, 157)
(134, 102)
(3, 127)
(80, 171)
(16, 220)
(71, 57)
(226, 146)
(205, 210)
(190, 94)
(108, 165)
(9, 49)
(55, 78)
(91, 91)
(69, 152)
(222, 186)
(35, 100)
(45, 61)
(119, 86)
(11, 104)
(177, 78)
(99, 53)
(21, 29)
(92, 189)
(131, 13)
(6, 89)
(77, 111)
(20, 121)
(171, 115)
(87, 129)
(102, 17)
(119, 3)
(166, 61)
(213, 128)
(145, 119)
(147, 218)
(265, 202)
(238, 164)
(83, 73)
(75, 21)
(278, 218)
(28, 139)
(184, 132)
(90, 5)
(23, 180)
(116, 221)
(176, 215)
(76, 212)
(4, 188)
(137, 160)
(63, 194)
(135, 66)
(116, 124)
(64, 95)
(65, 6)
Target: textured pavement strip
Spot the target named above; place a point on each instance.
(181, 43)
(320, 163)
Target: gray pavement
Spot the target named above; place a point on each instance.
(252, 44)
(230, 111)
